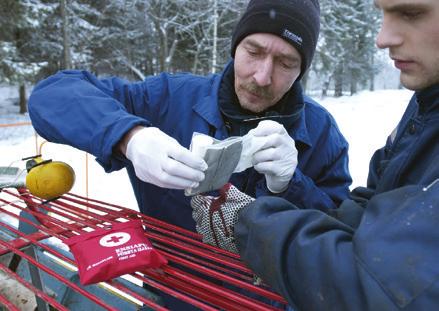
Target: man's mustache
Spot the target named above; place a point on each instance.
(263, 92)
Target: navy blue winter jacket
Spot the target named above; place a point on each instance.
(379, 253)
(75, 108)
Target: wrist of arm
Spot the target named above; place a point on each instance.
(121, 146)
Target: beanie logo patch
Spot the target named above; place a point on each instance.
(292, 36)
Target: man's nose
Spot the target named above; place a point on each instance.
(264, 72)
(389, 35)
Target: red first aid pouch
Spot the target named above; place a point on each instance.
(104, 254)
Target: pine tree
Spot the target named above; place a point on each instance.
(18, 21)
(345, 55)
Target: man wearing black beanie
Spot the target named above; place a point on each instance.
(272, 46)
(147, 127)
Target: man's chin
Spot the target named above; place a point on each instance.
(252, 108)
(414, 83)
(254, 104)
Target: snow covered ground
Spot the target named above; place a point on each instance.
(366, 119)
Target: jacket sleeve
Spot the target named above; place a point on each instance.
(75, 108)
(317, 262)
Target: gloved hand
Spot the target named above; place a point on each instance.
(160, 160)
(215, 217)
(277, 158)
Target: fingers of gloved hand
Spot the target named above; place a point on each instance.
(153, 154)
(175, 182)
(266, 168)
(274, 159)
(266, 155)
(268, 127)
(187, 157)
(160, 178)
(280, 153)
(175, 168)
(276, 140)
(278, 164)
(272, 135)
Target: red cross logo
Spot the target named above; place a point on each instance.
(114, 239)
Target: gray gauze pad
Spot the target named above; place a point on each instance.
(221, 164)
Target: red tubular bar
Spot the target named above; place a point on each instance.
(72, 214)
(236, 300)
(166, 288)
(227, 262)
(35, 242)
(214, 256)
(57, 276)
(225, 278)
(50, 221)
(7, 304)
(166, 250)
(68, 260)
(195, 291)
(196, 251)
(35, 290)
(40, 216)
(170, 233)
(126, 290)
(132, 212)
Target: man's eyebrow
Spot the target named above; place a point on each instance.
(253, 43)
(256, 45)
(405, 7)
(290, 58)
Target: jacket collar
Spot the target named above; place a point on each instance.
(428, 99)
(207, 108)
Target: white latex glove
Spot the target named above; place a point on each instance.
(160, 160)
(277, 157)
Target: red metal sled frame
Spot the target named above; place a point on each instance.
(72, 214)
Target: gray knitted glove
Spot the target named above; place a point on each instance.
(215, 217)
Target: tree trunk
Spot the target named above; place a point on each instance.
(338, 81)
(215, 36)
(67, 60)
(353, 84)
(325, 88)
(22, 98)
(372, 75)
(170, 54)
(195, 62)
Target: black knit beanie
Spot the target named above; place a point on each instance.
(296, 21)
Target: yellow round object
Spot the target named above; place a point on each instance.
(50, 180)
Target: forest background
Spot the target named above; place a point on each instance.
(135, 38)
